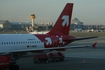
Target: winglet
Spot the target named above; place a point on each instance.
(94, 45)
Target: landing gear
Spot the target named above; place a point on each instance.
(14, 67)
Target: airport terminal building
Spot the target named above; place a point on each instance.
(5, 24)
(76, 24)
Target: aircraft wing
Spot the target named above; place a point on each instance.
(54, 48)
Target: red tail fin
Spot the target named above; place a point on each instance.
(62, 25)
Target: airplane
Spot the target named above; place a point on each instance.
(14, 46)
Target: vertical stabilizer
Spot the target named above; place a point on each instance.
(62, 25)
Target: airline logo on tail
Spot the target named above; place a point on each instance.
(66, 20)
(62, 25)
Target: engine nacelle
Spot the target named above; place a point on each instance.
(5, 62)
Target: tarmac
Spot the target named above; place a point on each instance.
(70, 63)
(75, 59)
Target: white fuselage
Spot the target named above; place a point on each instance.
(17, 42)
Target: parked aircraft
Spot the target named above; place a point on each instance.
(14, 46)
